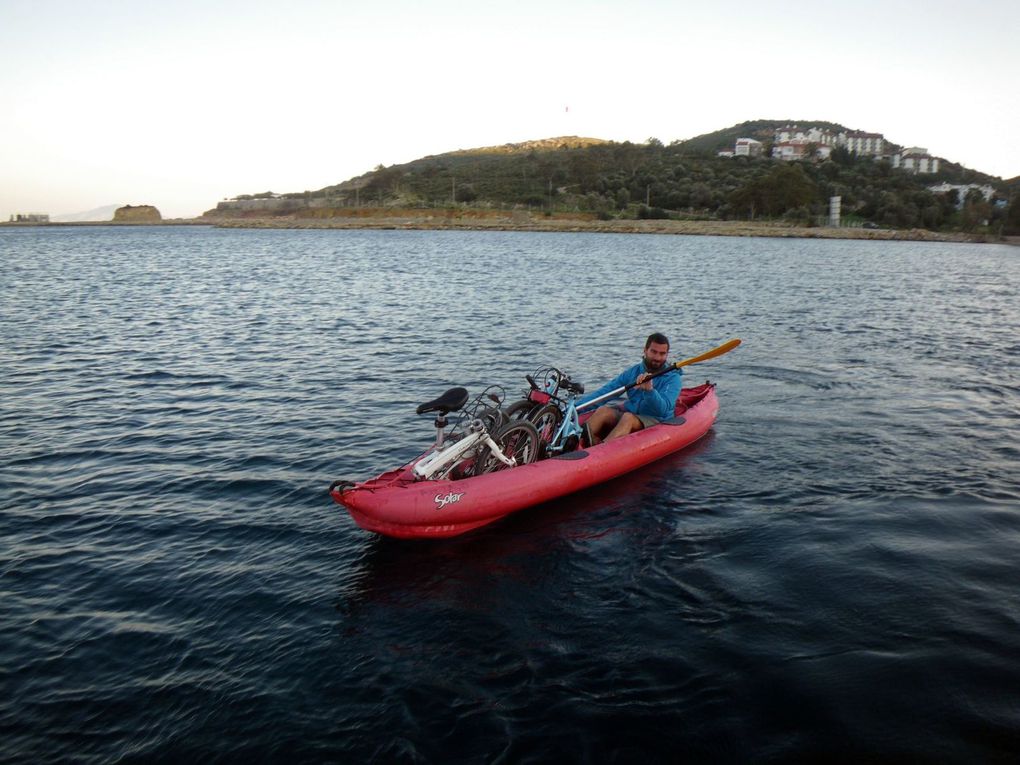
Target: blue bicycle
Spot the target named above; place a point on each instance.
(551, 406)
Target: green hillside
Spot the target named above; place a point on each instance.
(683, 180)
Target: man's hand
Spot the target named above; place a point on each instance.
(642, 382)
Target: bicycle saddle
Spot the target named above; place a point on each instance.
(450, 401)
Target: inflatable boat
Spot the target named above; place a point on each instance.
(397, 504)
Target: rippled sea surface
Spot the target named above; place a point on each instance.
(833, 573)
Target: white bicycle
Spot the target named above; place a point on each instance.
(482, 442)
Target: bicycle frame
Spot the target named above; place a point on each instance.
(439, 459)
(571, 424)
(569, 430)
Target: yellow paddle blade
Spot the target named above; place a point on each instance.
(726, 347)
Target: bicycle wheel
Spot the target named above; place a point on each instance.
(517, 439)
(519, 410)
(546, 420)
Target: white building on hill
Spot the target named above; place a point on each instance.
(817, 135)
(916, 160)
(800, 148)
(864, 144)
(748, 147)
(794, 142)
(962, 190)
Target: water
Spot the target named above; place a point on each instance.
(832, 573)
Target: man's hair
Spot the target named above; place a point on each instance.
(657, 337)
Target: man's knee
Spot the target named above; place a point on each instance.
(606, 415)
(631, 422)
(628, 423)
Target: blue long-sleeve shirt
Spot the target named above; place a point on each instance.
(659, 402)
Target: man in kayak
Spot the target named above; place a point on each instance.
(648, 402)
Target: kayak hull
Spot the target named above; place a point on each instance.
(396, 505)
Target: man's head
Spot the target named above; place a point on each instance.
(656, 351)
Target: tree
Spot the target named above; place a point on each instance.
(466, 193)
(786, 187)
(976, 211)
(1012, 222)
(701, 195)
(843, 156)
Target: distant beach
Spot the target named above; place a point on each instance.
(485, 220)
(494, 220)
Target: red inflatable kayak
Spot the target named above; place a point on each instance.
(397, 505)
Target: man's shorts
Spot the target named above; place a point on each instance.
(646, 420)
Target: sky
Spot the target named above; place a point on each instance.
(183, 104)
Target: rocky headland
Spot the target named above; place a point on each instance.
(137, 214)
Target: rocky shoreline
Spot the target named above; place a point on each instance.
(119, 223)
(452, 220)
(441, 222)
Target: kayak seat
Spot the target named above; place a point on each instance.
(578, 455)
(451, 401)
(689, 397)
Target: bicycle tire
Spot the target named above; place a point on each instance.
(517, 439)
(546, 420)
(519, 410)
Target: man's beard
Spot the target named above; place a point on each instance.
(651, 366)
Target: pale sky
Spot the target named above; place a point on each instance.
(182, 104)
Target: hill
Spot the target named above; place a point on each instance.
(684, 180)
(99, 214)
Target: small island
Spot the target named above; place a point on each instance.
(137, 214)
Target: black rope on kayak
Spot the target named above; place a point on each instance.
(342, 484)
